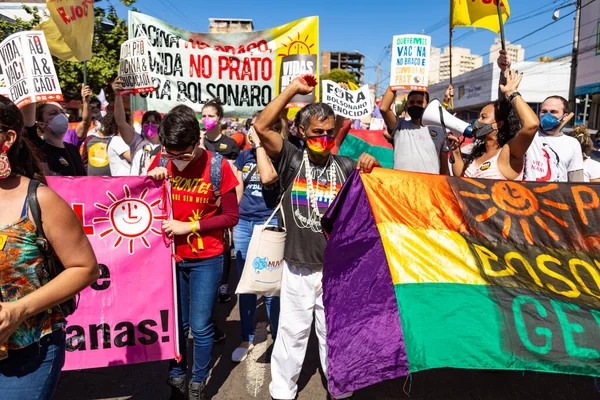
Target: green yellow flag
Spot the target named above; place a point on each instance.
(478, 13)
(70, 29)
(352, 86)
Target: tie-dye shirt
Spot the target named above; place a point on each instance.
(21, 273)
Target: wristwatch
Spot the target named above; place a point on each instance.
(257, 145)
(512, 96)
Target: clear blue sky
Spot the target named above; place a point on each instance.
(368, 27)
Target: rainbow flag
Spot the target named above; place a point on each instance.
(372, 142)
(427, 271)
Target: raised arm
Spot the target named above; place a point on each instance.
(126, 131)
(272, 140)
(29, 114)
(389, 116)
(504, 65)
(529, 121)
(86, 116)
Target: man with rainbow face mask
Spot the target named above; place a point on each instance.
(311, 179)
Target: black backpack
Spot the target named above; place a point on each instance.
(52, 264)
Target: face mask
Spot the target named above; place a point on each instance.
(481, 130)
(320, 145)
(180, 164)
(209, 123)
(549, 122)
(415, 112)
(59, 124)
(150, 131)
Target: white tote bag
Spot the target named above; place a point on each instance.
(264, 262)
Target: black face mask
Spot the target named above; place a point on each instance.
(415, 112)
(481, 130)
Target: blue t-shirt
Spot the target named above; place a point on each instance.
(258, 201)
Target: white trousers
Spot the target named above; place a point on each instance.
(301, 296)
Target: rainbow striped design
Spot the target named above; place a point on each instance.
(299, 193)
(463, 273)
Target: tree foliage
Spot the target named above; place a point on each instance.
(109, 32)
(339, 76)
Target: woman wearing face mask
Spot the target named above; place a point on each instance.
(48, 121)
(147, 143)
(496, 152)
(212, 114)
(197, 228)
(258, 194)
(32, 335)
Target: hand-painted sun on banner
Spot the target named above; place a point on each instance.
(244, 70)
(128, 315)
(463, 273)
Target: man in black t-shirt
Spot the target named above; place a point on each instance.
(60, 158)
(311, 179)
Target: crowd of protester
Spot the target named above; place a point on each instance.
(253, 167)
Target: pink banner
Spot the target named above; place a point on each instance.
(128, 315)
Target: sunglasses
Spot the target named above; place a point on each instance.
(183, 157)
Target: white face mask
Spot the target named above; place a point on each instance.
(180, 164)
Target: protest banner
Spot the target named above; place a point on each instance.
(472, 274)
(352, 104)
(244, 70)
(133, 67)
(410, 62)
(128, 315)
(29, 69)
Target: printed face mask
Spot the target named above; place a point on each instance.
(481, 130)
(150, 131)
(59, 124)
(320, 145)
(549, 122)
(415, 112)
(209, 123)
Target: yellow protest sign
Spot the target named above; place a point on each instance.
(478, 13)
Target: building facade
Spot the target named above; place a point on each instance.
(351, 62)
(516, 52)
(588, 68)
(462, 61)
(11, 10)
(229, 25)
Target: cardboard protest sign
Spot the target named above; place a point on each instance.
(128, 315)
(244, 70)
(133, 67)
(27, 65)
(410, 62)
(352, 104)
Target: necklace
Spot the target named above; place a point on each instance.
(310, 191)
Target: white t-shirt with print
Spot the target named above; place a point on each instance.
(551, 158)
(141, 158)
(118, 165)
(591, 170)
(417, 148)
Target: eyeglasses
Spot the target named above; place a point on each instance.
(183, 157)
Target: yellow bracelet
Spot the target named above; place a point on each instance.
(194, 227)
(445, 104)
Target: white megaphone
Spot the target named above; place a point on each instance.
(436, 115)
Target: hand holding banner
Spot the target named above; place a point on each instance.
(28, 68)
(410, 62)
(352, 104)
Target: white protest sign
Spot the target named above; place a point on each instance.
(352, 104)
(27, 65)
(133, 67)
(3, 84)
(410, 62)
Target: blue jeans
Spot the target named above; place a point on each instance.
(242, 233)
(32, 372)
(197, 283)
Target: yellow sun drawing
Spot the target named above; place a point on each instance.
(519, 202)
(297, 46)
(130, 218)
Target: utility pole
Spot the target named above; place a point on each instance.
(574, 56)
(377, 80)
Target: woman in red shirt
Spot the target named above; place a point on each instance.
(200, 214)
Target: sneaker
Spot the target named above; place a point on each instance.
(178, 384)
(224, 296)
(197, 391)
(219, 335)
(241, 353)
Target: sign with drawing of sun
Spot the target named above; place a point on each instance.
(129, 218)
